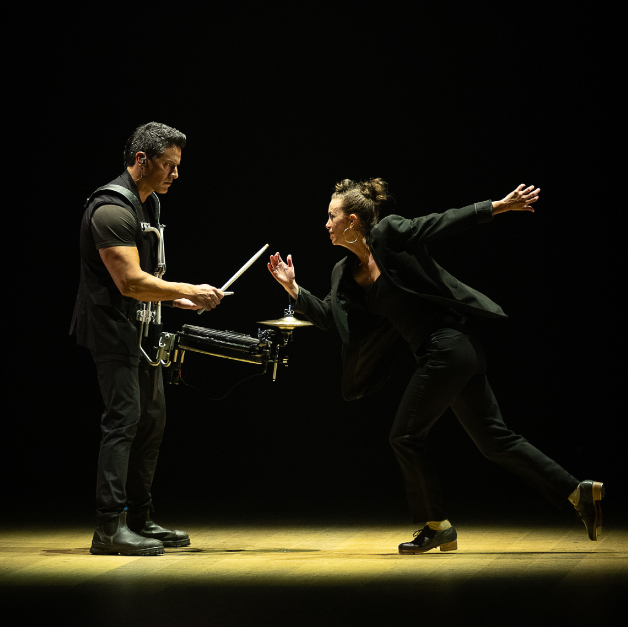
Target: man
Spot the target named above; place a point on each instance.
(118, 262)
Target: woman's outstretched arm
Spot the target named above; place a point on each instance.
(407, 233)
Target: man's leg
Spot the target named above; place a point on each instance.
(117, 377)
(143, 460)
(119, 386)
(150, 429)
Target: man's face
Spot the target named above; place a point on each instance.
(160, 172)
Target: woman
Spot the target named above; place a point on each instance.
(390, 288)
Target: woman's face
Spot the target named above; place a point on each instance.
(337, 222)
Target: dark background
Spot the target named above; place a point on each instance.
(449, 102)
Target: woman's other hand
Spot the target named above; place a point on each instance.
(518, 200)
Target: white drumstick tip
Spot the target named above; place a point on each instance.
(240, 271)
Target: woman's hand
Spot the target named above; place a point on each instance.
(283, 272)
(518, 200)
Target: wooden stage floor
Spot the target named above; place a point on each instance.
(292, 574)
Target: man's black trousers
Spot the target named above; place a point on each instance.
(451, 373)
(132, 426)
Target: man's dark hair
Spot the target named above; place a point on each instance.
(152, 138)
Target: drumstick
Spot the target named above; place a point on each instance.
(240, 272)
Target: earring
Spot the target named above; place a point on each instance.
(344, 233)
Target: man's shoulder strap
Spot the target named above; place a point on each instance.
(128, 195)
(116, 189)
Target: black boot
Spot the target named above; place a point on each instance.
(427, 539)
(114, 537)
(140, 522)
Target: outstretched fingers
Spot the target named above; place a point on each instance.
(277, 265)
(274, 261)
(531, 196)
(520, 199)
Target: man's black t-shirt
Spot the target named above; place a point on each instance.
(113, 225)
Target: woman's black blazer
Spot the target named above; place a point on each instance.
(399, 247)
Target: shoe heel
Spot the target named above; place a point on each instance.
(447, 547)
(598, 491)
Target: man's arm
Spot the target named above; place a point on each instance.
(123, 264)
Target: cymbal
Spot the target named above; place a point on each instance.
(287, 322)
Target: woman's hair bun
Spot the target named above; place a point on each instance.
(375, 189)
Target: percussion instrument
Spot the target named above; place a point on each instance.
(288, 322)
(231, 345)
(224, 344)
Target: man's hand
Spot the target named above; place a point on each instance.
(185, 304)
(518, 200)
(206, 296)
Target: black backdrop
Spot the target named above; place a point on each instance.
(450, 102)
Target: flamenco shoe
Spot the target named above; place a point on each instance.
(114, 537)
(428, 539)
(589, 508)
(141, 523)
